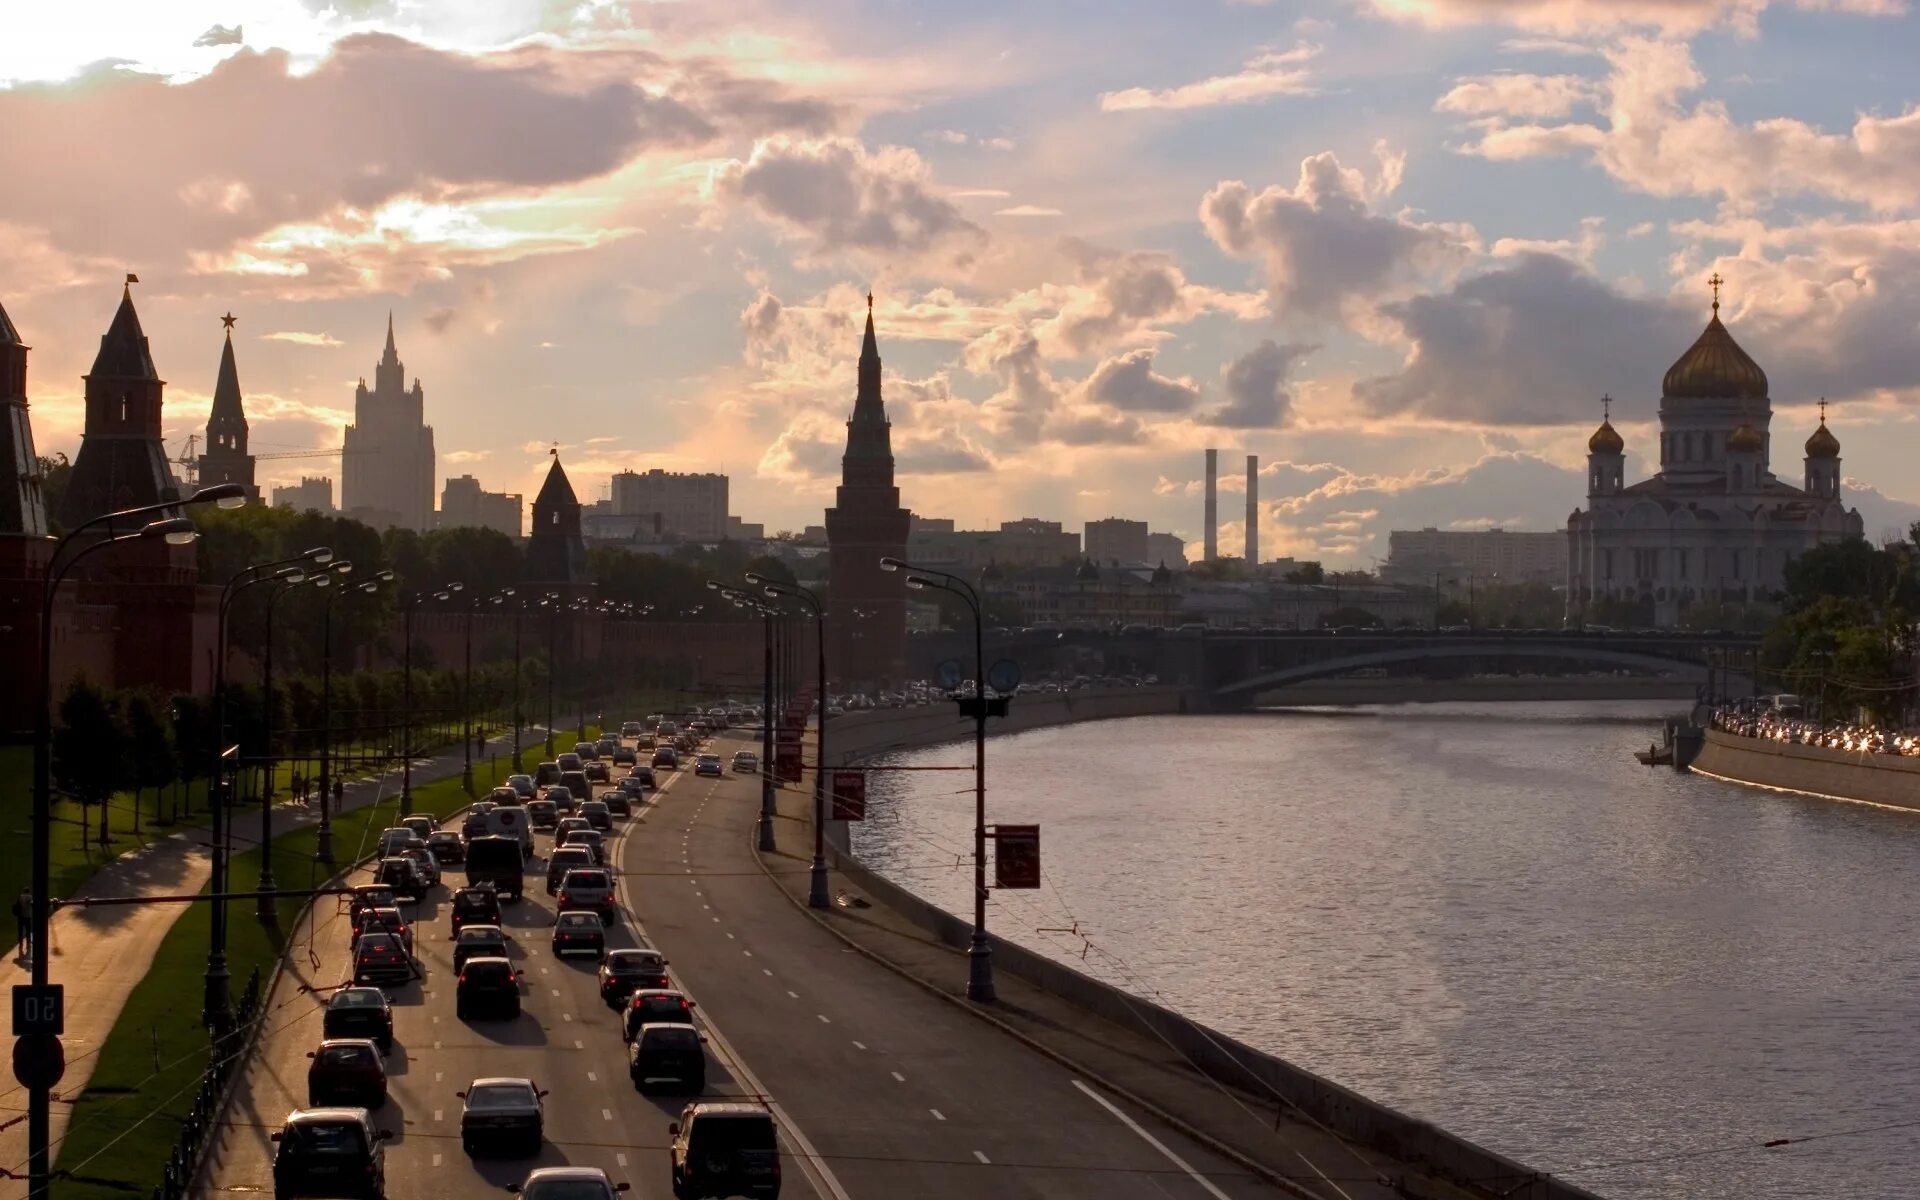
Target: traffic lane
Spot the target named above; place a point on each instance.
(971, 1092)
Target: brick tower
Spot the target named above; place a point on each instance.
(121, 462)
(226, 459)
(555, 551)
(867, 630)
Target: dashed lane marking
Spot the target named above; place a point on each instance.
(766, 972)
(982, 1157)
(858, 1045)
(823, 1018)
(898, 1077)
(936, 1114)
(578, 1044)
(436, 1160)
(606, 1114)
(437, 1115)
(794, 994)
(592, 1078)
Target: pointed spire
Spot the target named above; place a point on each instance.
(870, 347)
(227, 408)
(123, 349)
(9, 336)
(558, 489)
(391, 354)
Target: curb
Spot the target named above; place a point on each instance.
(1258, 1169)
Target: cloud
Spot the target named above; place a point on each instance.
(221, 35)
(1648, 139)
(1589, 16)
(835, 194)
(1320, 242)
(1027, 210)
(1128, 383)
(1534, 343)
(1122, 294)
(299, 338)
(1267, 74)
(1257, 397)
(1517, 95)
(956, 137)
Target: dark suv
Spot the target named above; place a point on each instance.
(359, 1012)
(326, 1152)
(487, 985)
(724, 1149)
(668, 1053)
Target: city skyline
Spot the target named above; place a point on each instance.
(1284, 283)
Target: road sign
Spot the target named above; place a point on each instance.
(786, 761)
(38, 1060)
(1004, 676)
(39, 1009)
(1016, 856)
(948, 673)
(849, 795)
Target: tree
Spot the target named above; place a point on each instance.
(149, 751)
(192, 736)
(55, 471)
(1306, 572)
(89, 748)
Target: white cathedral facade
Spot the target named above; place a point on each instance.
(1715, 524)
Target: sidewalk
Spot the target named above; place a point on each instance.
(101, 954)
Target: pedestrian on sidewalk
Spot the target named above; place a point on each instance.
(298, 787)
(23, 922)
(339, 791)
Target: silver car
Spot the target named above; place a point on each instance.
(567, 1183)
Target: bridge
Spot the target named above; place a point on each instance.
(1229, 669)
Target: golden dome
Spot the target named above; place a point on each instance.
(1823, 444)
(1745, 440)
(1606, 440)
(1715, 368)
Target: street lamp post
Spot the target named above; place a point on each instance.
(266, 908)
(979, 950)
(466, 704)
(817, 896)
(501, 598)
(406, 693)
(175, 531)
(323, 842)
(764, 828)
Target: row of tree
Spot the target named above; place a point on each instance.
(1847, 635)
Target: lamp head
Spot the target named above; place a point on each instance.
(770, 593)
(343, 567)
(891, 564)
(319, 556)
(713, 585)
(755, 579)
(455, 586)
(292, 575)
(323, 581)
(385, 577)
(917, 582)
(506, 591)
(221, 495)
(177, 531)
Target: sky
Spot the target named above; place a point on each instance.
(1397, 248)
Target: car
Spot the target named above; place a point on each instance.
(632, 783)
(586, 750)
(598, 815)
(666, 758)
(625, 756)
(724, 1148)
(645, 742)
(648, 1006)
(707, 764)
(478, 941)
(546, 773)
(598, 772)
(359, 1012)
(448, 847)
(523, 786)
(428, 865)
(329, 1152)
(618, 801)
(346, 1072)
(667, 1052)
(623, 972)
(422, 826)
(686, 743)
(631, 729)
(497, 861)
(564, 859)
(380, 920)
(606, 744)
(746, 762)
(567, 1183)
(397, 839)
(474, 824)
(369, 895)
(403, 875)
(380, 958)
(591, 839)
(568, 825)
(487, 985)
(474, 906)
(570, 762)
(542, 814)
(643, 774)
(503, 1113)
(561, 795)
(504, 795)
(577, 784)
(589, 889)
(579, 933)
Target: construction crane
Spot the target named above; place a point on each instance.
(189, 460)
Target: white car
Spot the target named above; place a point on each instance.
(746, 762)
(567, 1183)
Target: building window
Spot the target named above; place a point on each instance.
(1606, 563)
(1734, 564)
(1680, 564)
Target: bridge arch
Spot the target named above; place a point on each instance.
(1270, 680)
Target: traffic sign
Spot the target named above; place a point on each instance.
(40, 1009)
(786, 761)
(38, 1060)
(1004, 676)
(948, 673)
(849, 795)
(1016, 856)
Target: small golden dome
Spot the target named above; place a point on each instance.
(1745, 440)
(1823, 444)
(1606, 440)
(1715, 368)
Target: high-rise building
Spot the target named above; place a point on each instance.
(1212, 514)
(387, 473)
(226, 459)
(556, 552)
(464, 504)
(692, 506)
(121, 463)
(23, 507)
(1416, 556)
(314, 493)
(1112, 540)
(1168, 548)
(865, 524)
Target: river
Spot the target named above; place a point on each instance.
(1487, 915)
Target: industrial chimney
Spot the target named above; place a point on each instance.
(1213, 506)
(1253, 510)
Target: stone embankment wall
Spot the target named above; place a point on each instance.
(1819, 770)
(1368, 1122)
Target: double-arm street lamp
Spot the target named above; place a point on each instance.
(406, 690)
(266, 909)
(979, 951)
(748, 601)
(323, 843)
(174, 531)
(501, 598)
(817, 896)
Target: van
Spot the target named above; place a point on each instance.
(512, 822)
(546, 773)
(497, 860)
(398, 840)
(724, 1148)
(576, 783)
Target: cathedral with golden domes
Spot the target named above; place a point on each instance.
(1715, 525)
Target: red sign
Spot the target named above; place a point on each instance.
(1016, 856)
(849, 795)
(786, 761)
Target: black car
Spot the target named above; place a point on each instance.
(724, 1149)
(498, 861)
(667, 1053)
(329, 1152)
(576, 782)
(597, 772)
(666, 758)
(347, 1071)
(618, 802)
(623, 972)
(624, 756)
(503, 1114)
(478, 941)
(487, 985)
(381, 958)
(655, 1005)
(359, 1012)
(448, 847)
(475, 906)
(546, 773)
(579, 933)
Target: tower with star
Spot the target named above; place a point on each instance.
(226, 459)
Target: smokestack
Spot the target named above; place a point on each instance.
(1253, 510)
(1213, 506)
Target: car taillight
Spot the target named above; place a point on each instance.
(563, 897)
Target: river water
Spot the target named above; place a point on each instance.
(1487, 915)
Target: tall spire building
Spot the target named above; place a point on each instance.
(226, 459)
(23, 508)
(868, 630)
(121, 463)
(556, 553)
(387, 473)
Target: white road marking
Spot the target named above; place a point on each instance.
(983, 1158)
(794, 994)
(898, 1077)
(1155, 1142)
(823, 1018)
(438, 1075)
(578, 1044)
(436, 1114)
(620, 1160)
(767, 973)
(606, 1114)
(859, 1045)
(566, 1016)
(436, 1160)
(936, 1114)
(729, 936)
(748, 953)
(436, 1020)
(555, 991)
(716, 920)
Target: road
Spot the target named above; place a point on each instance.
(881, 1090)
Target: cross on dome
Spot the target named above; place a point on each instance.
(1715, 282)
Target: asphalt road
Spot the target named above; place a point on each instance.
(880, 1089)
